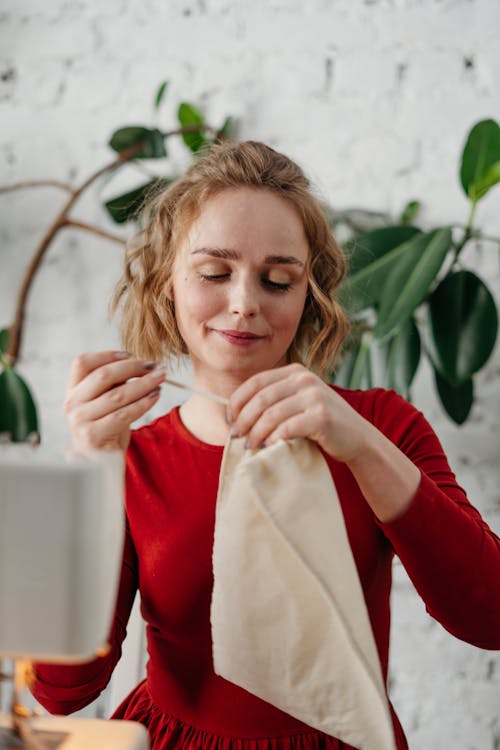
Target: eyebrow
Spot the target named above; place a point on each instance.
(230, 254)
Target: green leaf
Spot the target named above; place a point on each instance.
(126, 207)
(4, 340)
(403, 358)
(391, 364)
(354, 370)
(160, 94)
(461, 326)
(153, 139)
(226, 128)
(490, 179)
(409, 280)
(188, 116)
(410, 212)
(18, 415)
(371, 256)
(457, 400)
(481, 152)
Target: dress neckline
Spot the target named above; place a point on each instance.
(183, 431)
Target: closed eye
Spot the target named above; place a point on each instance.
(276, 286)
(273, 286)
(213, 276)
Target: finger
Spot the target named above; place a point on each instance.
(296, 426)
(111, 427)
(106, 377)
(280, 413)
(263, 406)
(256, 383)
(117, 397)
(83, 364)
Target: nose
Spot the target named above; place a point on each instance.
(244, 298)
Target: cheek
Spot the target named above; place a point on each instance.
(195, 300)
(289, 311)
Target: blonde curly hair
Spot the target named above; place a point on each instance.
(148, 325)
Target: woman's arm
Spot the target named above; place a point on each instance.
(449, 552)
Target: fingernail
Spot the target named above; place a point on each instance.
(229, 416)
(153, 393)
(158, 374)
(247, 444)
(262, 445)
(122, 355)
(234, 433)
(149, 365)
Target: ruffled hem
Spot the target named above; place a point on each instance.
(167, 732)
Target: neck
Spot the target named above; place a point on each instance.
(205, 419)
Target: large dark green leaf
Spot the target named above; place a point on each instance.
(125, 207)
(403, 358)
(153, 139)
(370, 257)
(456, 399)
(480, 155)
(188, 116)
(354, 368)
(4, 340)
(410, 279)
(18, 416)
(388, 364)
(461, 326)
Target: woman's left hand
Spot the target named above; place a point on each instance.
(290, 402)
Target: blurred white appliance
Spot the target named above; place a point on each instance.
(61, 537)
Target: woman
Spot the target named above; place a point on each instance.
(237, 268)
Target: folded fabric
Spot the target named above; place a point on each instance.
(288, 616)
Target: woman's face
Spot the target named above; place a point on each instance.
(240, 283)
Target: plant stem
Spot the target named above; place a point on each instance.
(467, 233)
(36, 183)
(94, 230)
(471, 217)
(478, 235)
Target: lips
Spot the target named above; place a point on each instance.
(243, 338)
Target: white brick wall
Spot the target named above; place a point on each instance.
(373, 98)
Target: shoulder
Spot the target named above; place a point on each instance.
(372, 402)
(160, 430)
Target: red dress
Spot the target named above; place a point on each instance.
(449, 552)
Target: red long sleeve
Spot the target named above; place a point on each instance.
(447, 549)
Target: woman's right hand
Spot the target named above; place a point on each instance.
(102, 401)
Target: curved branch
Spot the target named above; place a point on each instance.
(15, 333)
(94, 230)
(37, 183)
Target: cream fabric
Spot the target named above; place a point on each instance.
(289, 620)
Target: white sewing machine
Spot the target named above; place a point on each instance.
(61, 536)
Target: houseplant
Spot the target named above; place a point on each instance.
(411, 296)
